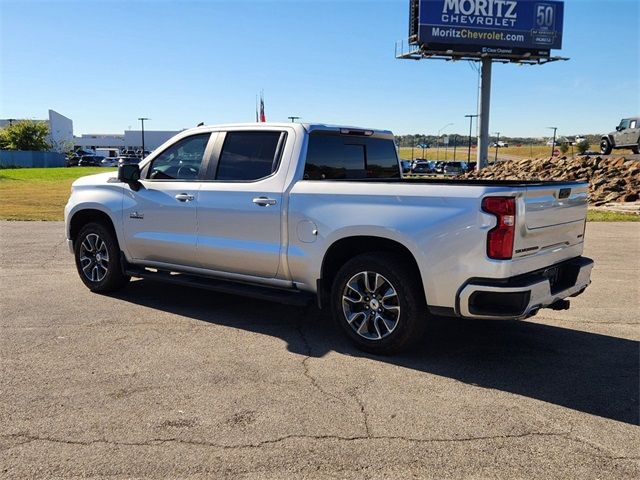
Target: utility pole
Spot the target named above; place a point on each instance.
(293, 119)
(142, 119)
(497, 145)
(553, 143)
(471, 117)
(413, 146)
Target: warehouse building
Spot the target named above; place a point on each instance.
(62, 139)
(60, 129)
(130, 139)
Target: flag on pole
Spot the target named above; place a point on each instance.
(256, 108)
(263, 118)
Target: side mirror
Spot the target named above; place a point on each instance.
(129, 173)
(619, 128)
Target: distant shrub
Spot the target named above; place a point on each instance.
(564, 148)
(582, 147)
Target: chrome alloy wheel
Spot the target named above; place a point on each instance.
(370, 305)
(94, 258)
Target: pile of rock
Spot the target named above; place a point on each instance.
(610, 179)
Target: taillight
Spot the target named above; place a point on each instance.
(500, 237)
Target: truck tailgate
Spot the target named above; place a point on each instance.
(552, 217)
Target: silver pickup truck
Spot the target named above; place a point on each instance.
(301, 212)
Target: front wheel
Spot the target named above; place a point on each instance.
(378, 301)
(605, 146)
(97, 257)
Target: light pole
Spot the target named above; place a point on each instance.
(142, 119)
(553, 143)
(293, 118)
(438, 140)
(455, 144)
(471, 117)
(497, 145)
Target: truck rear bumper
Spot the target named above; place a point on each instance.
(522, 296)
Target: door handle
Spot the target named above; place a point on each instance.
(184, 197)
(264, 201)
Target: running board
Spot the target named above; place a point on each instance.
(280, 295)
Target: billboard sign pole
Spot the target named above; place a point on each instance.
(486, 31)
(483, 114)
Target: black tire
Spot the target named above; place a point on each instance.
(636, 149)
(97, 273)
(410, 318)
(605, 146)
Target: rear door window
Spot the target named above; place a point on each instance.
(344, 157)
(249, 156)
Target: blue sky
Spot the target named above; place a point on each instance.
(104, 64)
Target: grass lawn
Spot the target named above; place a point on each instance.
(602, 216)
(38, 193)
(41, 194)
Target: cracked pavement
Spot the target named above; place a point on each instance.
(161, 381)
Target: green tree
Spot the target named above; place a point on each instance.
(25, 135)
(564, 147)
(582, 147)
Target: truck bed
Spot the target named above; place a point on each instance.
(465, 181)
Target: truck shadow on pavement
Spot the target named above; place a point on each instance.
(588, 372)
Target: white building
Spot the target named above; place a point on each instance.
(61, 136)
(60, 129)
(131, 139)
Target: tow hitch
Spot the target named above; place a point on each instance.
(559, 305)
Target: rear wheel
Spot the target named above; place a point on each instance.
(97, 257)
(636, 149)
(605, 146)
(378, 301)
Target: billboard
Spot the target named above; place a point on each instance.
(493, 27)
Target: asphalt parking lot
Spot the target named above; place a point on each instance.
(165, 382)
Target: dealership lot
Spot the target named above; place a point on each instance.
(162, 381)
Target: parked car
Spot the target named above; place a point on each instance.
(627, 135)
(110, 162)
(294, 213)
(90, 161)
(500, 144)
(422, 167)
(82, 152)
(438, 167)
(455, 168)
(72, 160)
